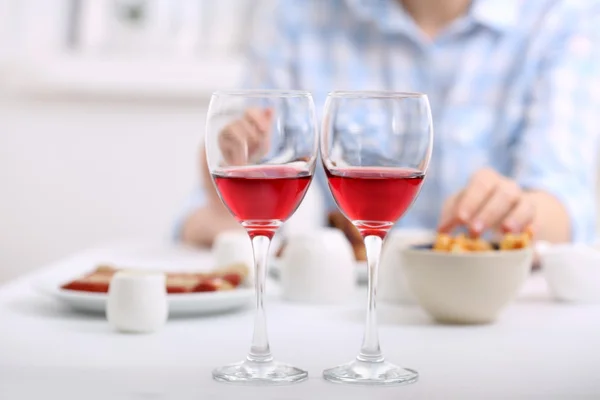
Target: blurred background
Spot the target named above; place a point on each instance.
(102, 110)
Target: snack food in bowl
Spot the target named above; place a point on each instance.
(465, 244)
(471, 285)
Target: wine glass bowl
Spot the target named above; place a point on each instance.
(375, 148)
(261, 148)
(364, 194)
(262, 198)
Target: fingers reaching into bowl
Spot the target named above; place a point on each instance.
(489, 201)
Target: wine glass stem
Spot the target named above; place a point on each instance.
(370, 350)
(260, 351)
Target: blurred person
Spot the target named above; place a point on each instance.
(514, 91)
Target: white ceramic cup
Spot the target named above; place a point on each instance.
(232, 247)
(137, 301)
(393, 287)
(572, 271)
(309, 215)
(318, 267)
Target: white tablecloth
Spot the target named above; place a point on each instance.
(538, 349)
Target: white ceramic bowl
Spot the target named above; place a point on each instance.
(572, 271)
(469, 288)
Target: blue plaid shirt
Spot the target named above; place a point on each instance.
(513, 85)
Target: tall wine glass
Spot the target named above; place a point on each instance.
(375, 148)
(261, 148)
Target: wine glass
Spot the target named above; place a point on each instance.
(375, 148)
(261, 148)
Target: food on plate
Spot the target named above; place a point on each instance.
(226, 278)
(96, 281)
(464, 244)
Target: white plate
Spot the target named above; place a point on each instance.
(184, 304)
(361, 270)
(149, 256)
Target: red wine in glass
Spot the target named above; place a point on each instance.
(374, 198)
(262, 197)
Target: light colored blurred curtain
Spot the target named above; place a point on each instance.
(261, 24)
(598, 200)
(5, 28)
(41, 26)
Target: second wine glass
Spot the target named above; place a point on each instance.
(261, 148)
(375, 148)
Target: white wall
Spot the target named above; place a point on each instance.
(75, 173)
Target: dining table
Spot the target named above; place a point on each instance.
(537, 349)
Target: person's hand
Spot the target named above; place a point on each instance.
(490, 201)
(246, 138)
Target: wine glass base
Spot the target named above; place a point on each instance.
(259, 373)
(370, 373)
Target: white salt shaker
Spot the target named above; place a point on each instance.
(392, 283)
(137, 301)
(318, 266)
(232, 247)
